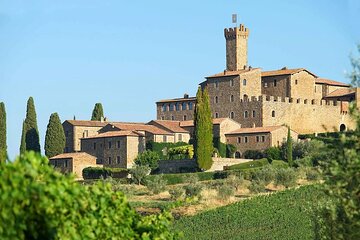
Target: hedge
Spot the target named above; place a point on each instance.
(97, 172)
(250, 164)
(158, 147)
(279, 164)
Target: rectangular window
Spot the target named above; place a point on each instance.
(118, 144)
(66, 163)
(263, 138)
(85, 133)
(109, 160)
(118, 159)
(239, 139)
(180, 137)
(245, 139)
(164, 138)
(257, 139)
(94, 146)
(109, 145)
(274, 82)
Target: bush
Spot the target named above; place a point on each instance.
(272, 153)
(182, 152)
(162, 148)
(286, 177)
(257, 186)
(97, 172)
(265, 175)
(303, 162)
(38, 202)
(312, 174)
(250, 164)
(139, 172)
(176, 193)
(156, 185)
(279, 164)
(191, 179)
(148, 158)
(230, 150)
(193, 190)
(221, 147)
(235, 181)
(225, 192)
(253, 154)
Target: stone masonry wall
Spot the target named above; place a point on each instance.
(176, 115)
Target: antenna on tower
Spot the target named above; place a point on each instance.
(234, 19)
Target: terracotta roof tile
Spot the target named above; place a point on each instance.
(231, 73)
(190, 123)
(173, 126)
(116, 134)
(71, 155)
(254, 130)
(330, 82)
(141, 127)
(341, 92)
(177, 100)
(284, 72)
(87, 123)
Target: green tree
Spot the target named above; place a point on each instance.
(31, 133)
(148, 158)
(203, 137)
(289, 149)
(55, 137)
(3, 146)
(98, 112)
(23, 143)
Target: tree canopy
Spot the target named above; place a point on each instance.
(30, 136)
(98, 112)
(55, 137)
(3, 146)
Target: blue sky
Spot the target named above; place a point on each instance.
(71, 54)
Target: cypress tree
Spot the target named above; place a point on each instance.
(23, 143)
(203, 143)
(55, 137)
(97, 113)
(3, 146)
(32, 141)
(289, 149)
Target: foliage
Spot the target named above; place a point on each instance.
(3, 146)
(104, 172)
(273, 153)
(177, 193)
(221, 147)
(225, 192)
(182, 152)
(55, 137)
(235, 181)
(148, 158)
(253, 154)
(38, 202)
(303, 162)
(162, 148)
(23, 143)
(312, 174)
(287, 214)
(193, 190)
(30, 129)
(265, 175)
(257, 186)
(156, 185)
(286, 177)
(279, 164)
(230, 150)
(97, 113)
(289, 153)
(250, 164)
(203, 133)
(191, 179)
(138, 173)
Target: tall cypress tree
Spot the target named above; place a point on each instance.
(289, 154)
(203, 143)
(32, 140)
(55, 137)
(23, 143)
(97, 113)
(3, 146)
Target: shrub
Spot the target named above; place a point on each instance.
(98, 172)
(38, 202)
(250, 164)
(193, 190)
(138, 173)
(176, 193)
(265, 175)
(303, 162)
(272, 153)
(181, 152)
(225, 192)
(230, 150)
(191, 178)
(221, 147)
(235, 181)
(286, 177)
(257, 186)
(279, 164)
(312, 174)
(156, 185)
(253, 154)
(148, 158)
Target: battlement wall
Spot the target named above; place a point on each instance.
(231, 33)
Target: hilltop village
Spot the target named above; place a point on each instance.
(252, 109)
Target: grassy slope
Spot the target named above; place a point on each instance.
(283, 215)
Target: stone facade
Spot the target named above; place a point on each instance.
(180, 109)
(73, 163)
(236, 47)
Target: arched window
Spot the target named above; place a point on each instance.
(275, 82)
(183, 106)
(232, 115)
(216, 115)
(162, 118)
(246, 98)
(232, 82)
(342, 127)
(171, 108)
(246, 114)
(216, 84)
(164, 107)
(216, 99)
(296, 81)
(273, 113)
(184, 118)
(244, 82)
(253, 113)
(190, 105)
(231, 98)
(172, 118)
(237, 155)
(177, 107)
(239, 139)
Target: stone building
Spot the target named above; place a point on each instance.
(74, 163)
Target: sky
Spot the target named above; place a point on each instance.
(69, 55)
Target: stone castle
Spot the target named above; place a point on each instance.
(254, 98)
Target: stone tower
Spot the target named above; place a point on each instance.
(236, 47)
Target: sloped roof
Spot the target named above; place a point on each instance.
(177, 100)
(341, 92)
(330, 82)
(190, 123)
(231, 73)
(71, 155)
(173, 126)
(87, 123)
(141, 127)
(116, 134)
(284, 71)
(254, 130)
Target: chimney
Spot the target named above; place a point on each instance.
(186, 95)
(284, 68)
(105, 119)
